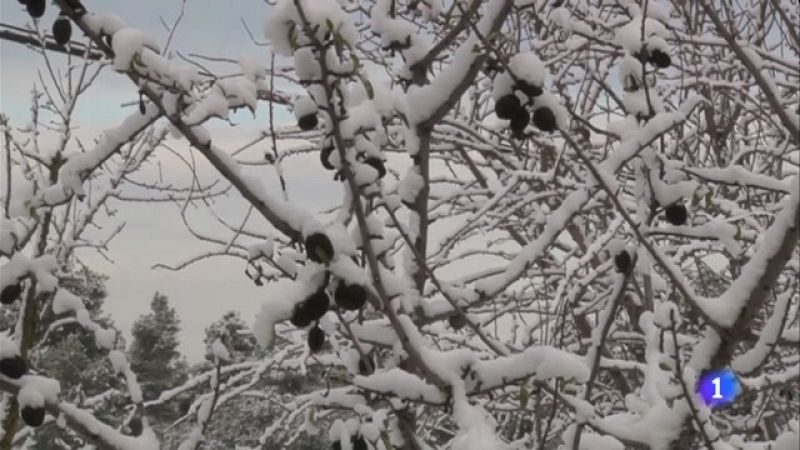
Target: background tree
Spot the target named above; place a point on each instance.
(154, 354)
(234, 333)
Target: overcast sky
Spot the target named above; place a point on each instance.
(154, 233)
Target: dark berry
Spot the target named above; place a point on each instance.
(36, 8)
(135, 426)
(62, 30)
(457, 321)
(359, 443)
(660, 59)
(676, 213)
(13, 367)
(507, 106)
(366, 366)
(324, 156)
(317, 304)
(300, 317)
(544, 119)
(319, 248)
(622, 261)
(519, 122)
(377, 164)
(184, 406)
(351, 297)
(308, 122)
(316, 339)
(10, 294)
(33, 417)
(531, 90)
(142, 108)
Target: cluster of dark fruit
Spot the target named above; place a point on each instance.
(356, 442)
(510, 107)
(62, 29)
(12, 366)
(656, 57)
(350, 297)
(372, 161)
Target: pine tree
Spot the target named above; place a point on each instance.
(154, 354)
(234, 333)
(71, 354)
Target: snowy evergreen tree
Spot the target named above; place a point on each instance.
(153, 353)
(234, 333)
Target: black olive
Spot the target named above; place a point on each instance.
(366, 366)
(359, 443)
(531, 90)
(301, 317)
(676, 213)
(142, 109)
(317, 304)
(622, 261)
(62, 30)
(184, 406)
(519, 122)
(324, 156)
(319, 248)
(457, 321)
(507, 106)
(13, 367)
(10, 294)
(544, 119)
(660, 59)
(33, 417)
(316, 339)
(135, 426)
(351, 297)
(308, 122)
(377, 164)
(36, 8)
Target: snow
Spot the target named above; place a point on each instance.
(220, 351)
(629, 36)
(543, 363)
(119, 362)
(8, 347)
(252, 68)
(64, 302)
(29, 396)
(303, 106)
(41, 389)
(727, 308)
(402, 384)
(105, 338)
(749, 361)
(127, 43)
(319, 13)
(20, 266)
(103, 24)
